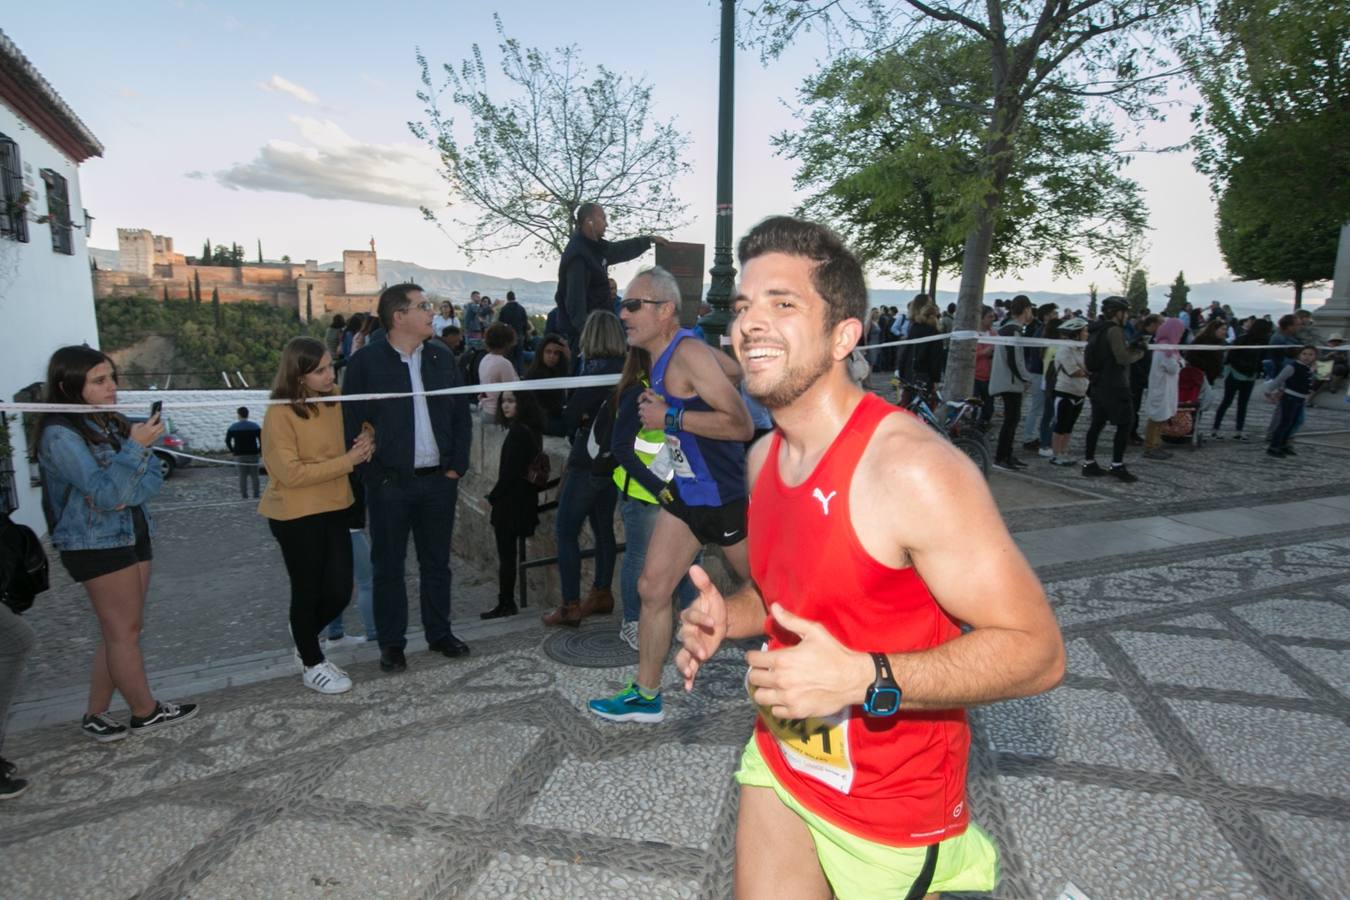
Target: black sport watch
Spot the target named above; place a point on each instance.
(883, 697)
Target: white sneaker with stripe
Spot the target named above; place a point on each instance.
(327, 678)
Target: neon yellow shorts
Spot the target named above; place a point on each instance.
(858, 868)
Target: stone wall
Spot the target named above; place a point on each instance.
(203, 428)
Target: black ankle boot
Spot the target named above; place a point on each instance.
(503, 609)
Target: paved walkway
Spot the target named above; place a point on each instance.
(1196, 749)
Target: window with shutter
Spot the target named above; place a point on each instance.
(14, 214)
(58, 212)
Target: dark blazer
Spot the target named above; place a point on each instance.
(376, 369)
(515, 501)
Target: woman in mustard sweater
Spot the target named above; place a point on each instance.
(307, 498)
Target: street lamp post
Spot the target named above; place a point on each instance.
(723, 272)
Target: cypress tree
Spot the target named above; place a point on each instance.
(197, 280)
(215, 305)
(260, 259)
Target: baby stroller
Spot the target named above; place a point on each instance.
(1184, 426)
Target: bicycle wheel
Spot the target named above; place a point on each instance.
(977, 448)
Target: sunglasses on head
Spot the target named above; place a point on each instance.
(633, 304)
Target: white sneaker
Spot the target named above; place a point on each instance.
(1046, 452)
(327, 678)
(628, 633)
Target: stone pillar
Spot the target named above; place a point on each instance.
(1334, 316)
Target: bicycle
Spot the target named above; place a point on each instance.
(960, 425)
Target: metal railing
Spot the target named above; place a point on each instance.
(522, 582)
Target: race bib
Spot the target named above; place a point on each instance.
(815, 747)
(678, 461)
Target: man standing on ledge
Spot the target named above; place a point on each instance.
(583, 272)
(873, 542)
(706, 425)
(412, 482)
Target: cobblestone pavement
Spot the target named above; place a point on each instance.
(1196, 749)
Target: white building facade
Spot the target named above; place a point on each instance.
(46, 293)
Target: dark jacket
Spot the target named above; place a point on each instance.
(513, 314)
(244, 438)
(581, 407)
(1246, 362)
(1109, 358)
(376, 368)
(583, 276)
(515, 501)
(922, 362)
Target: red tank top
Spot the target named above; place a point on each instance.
(897, 780)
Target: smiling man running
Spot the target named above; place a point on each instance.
(706, 425)
(872, 542)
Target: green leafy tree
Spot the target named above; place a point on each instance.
(1101, 49)
(1136, 294)
(1176, 295)
(564, 136)
(1272, 227)
(1275, 80)
(891, 145)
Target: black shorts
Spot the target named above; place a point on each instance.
(721, 525)
(86, 565)
(1067, 408)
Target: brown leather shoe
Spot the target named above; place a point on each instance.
(568, 615)
(599, 602)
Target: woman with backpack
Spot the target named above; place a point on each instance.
(515, 497)
(1242, 368)
(98, 475)
(308, 500)
(586, 495)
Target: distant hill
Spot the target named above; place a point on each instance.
(1246, 297)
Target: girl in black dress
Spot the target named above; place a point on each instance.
(514, 499)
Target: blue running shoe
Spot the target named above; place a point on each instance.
(631, 704)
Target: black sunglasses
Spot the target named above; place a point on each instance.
(633, 304)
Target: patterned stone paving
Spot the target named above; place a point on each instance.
(1196, 749)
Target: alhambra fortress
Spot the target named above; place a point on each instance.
(148, 266)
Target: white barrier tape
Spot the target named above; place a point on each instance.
(583, 381)
(206, 459)
(538, 384)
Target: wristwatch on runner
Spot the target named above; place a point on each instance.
(883, 697)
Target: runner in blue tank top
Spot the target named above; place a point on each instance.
(694, 400)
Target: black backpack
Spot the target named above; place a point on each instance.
(1093, 353)
(598, 440)
(472, 357)
(23, 565)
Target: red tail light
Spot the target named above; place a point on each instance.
(174, 442)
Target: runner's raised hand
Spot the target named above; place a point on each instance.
(702, 627)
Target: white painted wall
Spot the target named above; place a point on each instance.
(46, 298)
(203, 428)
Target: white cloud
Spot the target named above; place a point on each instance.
(333, 165)
(281, 85)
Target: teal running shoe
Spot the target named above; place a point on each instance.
(632, 704)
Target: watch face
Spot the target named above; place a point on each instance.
(884, 701)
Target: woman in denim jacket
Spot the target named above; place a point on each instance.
(97, 475)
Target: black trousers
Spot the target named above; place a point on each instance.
(318, 553)
(508, 557)
(1242, 390)
(1109, 408)
(1012, 412)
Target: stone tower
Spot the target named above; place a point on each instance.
(359, 272)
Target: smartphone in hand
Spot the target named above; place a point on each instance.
(156, 407)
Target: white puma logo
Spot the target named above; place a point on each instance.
(824, 501)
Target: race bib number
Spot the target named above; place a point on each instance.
(678, 461)
(815, 747)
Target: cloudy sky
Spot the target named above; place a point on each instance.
(287, 122)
